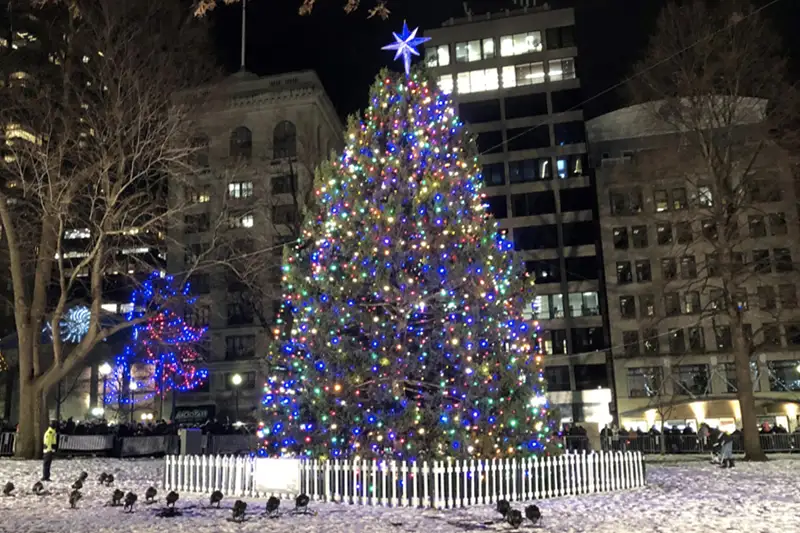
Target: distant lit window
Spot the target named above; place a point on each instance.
(79, 233)
(446, 83)
(525, 74)
(438, 56)
(240, 189)
(520, 43)
(561, 69)
(477, 81)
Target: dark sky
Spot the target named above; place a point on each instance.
(345, 50)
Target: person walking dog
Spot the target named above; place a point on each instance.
(50, 439)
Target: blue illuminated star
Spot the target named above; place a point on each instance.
(405, 44)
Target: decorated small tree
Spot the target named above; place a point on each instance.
(402, 334)
(164, 345)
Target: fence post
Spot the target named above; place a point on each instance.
(414, 480)
(384, 470)
(394, 470)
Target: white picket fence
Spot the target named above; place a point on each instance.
(436, 484)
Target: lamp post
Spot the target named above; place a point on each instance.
(236, 381)
(105, 371)
(132, 388)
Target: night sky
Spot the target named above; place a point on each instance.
(345, 50)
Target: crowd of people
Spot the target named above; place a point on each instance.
(139, 429)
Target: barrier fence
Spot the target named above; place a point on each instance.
(676, 444)
(436, 484)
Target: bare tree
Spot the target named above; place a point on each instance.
(379, 7)
(91, 140)
(716, 76)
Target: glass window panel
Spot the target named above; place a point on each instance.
(446, 83)
(443, 55)
(506, 46)
(462, 82)
(561, 69)
(474, 51)
(462, 53)
(488, 48)
(509, 77)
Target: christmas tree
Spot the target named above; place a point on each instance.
(403, 335)
(163, 343)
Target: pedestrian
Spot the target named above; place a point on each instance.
(50, 439)
(726, 451)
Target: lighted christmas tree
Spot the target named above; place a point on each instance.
(164, 343)
(403, 333)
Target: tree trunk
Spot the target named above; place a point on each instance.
(746, 397)
(28, 444)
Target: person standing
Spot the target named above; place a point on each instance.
(50, 439)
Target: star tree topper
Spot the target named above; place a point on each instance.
(406, 45)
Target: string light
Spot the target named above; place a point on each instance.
(164, 342)
(401, 334)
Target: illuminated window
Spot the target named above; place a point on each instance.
(520, 43)
(244, 221)
(240, 189)
(477, 81)
(79, 233)
(561, 69)
(446, 83)
(525, 74)
(15, 131)
(438, 56)
(475, 50)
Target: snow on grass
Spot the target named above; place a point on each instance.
(682, 498)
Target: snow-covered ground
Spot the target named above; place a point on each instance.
(681, 498)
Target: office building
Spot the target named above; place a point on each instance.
(513, 76)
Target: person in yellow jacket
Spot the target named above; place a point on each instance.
(50, 440)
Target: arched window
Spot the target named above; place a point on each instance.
(284, 140)
(199, 146)
(241, 143)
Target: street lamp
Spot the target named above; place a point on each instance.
(105, 371)
(236, 380)
(132, 388)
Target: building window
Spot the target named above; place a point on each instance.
(627, 306)
(777, 224)
(495, 174)
(241, 143)
(626, 202)
(200, 195)
(497, 206)
(740, 300)
(438, 56)
(583, 304)
(722, 336)
(548, 306)
(196, 316)
(784, 376)
(240, 347)
(664, 233)
(521, 75)
(767, 300)
(691, 380)
(691, 303)
(477, 81)
(783, 260)
(557, 378)
(284, 214)
(647, 306)
(643, 271)
(793, 336)
(730, 376)
(554, 342)
(284, 184)
(240, 189)
(544, 271)
(624, 274)
(284, 140)
(445, 83)
(683, 232)
(788, 295)
(630, 343)
(620, 236)
(669, 268)
(758, 228)
(697, 341)
(661, 200)
(709, 229)
(196, 223)
(651, 341)
(644, 382)
(520, 43)
(561, 69)
(200, 283)
(676, 341)
(688, 267)
(679, 199)
(672, 304)
(469, 51)
(240, 221)
(705, 198)
(639, 236)
(563, 37)
(761, 262)
(522, 171)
